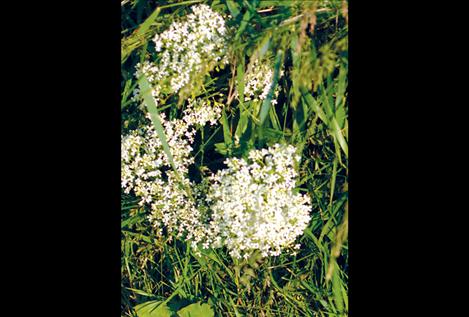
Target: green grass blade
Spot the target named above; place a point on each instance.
(340, 99)
(333, 179)
(337, 289)
(226, 129)
(313, 104)
(240, 81)
(243, 25)
(155, 118)
(233, 7)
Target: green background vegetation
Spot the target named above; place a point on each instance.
(309, 38)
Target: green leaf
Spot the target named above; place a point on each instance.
(196, 310)
(251, 5)
(242, 123)
(313, 104)
(243, 25)
(153, 309)
(233, 7)
(140, 292)
(249, 272)
(274, 119)
(333, 180)
(272, 134)
(337, 131)
(301, 117)
(143, 28)
(265, 44)
(340, 99)
(240, 81)
(248, 132)
(226, 129)
(132, 220)
(330, 226)
(261, 49)
(340, 115)
(221, 148)
(138, 236)
(155, 118)
(271, 3)
(336, 288)
(334, 126)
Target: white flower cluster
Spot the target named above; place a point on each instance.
(258, 81)
(254, 206)
(146, 170)
(188, 48)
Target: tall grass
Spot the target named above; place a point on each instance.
(309, 38)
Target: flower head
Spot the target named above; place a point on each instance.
(186, 50)
(254, 205)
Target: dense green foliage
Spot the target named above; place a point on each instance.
(308, 40)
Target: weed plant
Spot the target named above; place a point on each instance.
(307, 42)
